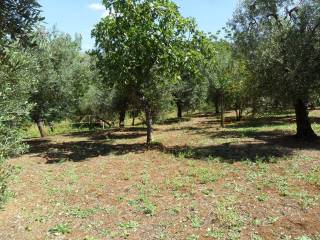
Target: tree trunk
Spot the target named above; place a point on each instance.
(216, 104)
(133, 120)
(222, 110)
(149, 125)
(42, 131)
(304, 129)
(237, 115)
(122, 117)
(179, 108)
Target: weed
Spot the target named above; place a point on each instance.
(228, 218)
(263, 197)
(272, 220)
(215, 233)
(41, 219)
(256, 237)
(203, 175)
(207, 192)
(175, 211)
(128, 227)
(313, 176)
(81, 213)
(193, 237)
(187, 153)
(282, 185)
(144, 204)
(60, 229)
(303, 238)
(256, 222)
(196, 222)
(180, 183)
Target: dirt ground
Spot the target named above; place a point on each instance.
(251, 180)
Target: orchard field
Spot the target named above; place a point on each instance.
(251, 180)
(160, 119)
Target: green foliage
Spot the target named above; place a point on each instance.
(227, 77)
(81, 213)
(280, 42)
(17, 18)
(191, 89)
(16, 78)
(61, 71)
(60, 229)
(5, 172)
(131, 225)
(142, 40)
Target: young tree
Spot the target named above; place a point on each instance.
(280, 40)
(59, 61)
(138, 46)
(220, 71)
(191, 89)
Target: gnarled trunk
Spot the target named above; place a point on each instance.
(149, 125)
(304, 129)
(40, 125)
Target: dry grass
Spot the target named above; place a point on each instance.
(251, 180)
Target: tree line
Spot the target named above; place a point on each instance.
(149, 59)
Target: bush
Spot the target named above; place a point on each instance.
(5, 173)
(16, 78)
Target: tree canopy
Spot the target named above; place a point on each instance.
(18, 18)
(280, 39)
(139, 47)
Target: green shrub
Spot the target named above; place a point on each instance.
(5, 172)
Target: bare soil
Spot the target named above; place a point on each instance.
(251, 180)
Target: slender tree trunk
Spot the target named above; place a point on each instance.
(149, 125)
(40, 125)
(237, 115)
(222, 110)
(216, 104)
(304, 129)
(179, 109)
(122, 117)
(133, 120)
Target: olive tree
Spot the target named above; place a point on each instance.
(60, 65)
(17, 19)
(17, 69)
(138, 46)
(280, 40)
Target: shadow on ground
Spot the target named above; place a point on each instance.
(261, 145)
(79, 151)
